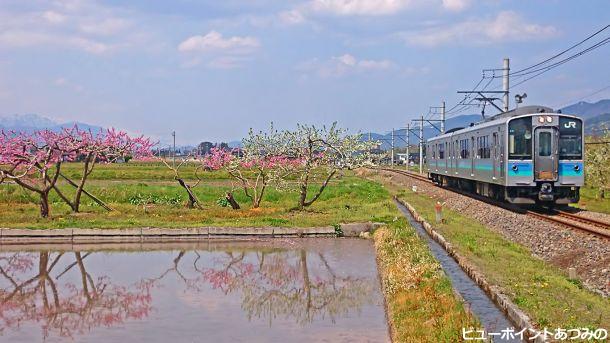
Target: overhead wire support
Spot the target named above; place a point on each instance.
(564, 51)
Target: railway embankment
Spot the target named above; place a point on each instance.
(527, 259)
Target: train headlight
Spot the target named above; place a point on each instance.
(577, 167)
(541, 119)
(515, 168)
(549, 119)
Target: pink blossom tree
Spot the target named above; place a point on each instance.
(33, 161)
(260, 163)
(106, 146)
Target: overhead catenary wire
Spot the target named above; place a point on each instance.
(562, 52)
(567, 59)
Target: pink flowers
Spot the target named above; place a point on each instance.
(27, 158)
(43, 149)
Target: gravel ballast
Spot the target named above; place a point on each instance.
(557, 244)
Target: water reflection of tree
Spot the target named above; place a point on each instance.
(280, 284)
(65, 308)
(273, 284)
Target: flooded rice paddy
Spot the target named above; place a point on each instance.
(297, 290)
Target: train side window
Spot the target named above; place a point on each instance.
(486, 149)
(441, 151)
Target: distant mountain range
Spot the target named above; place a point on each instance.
(34, 122)
(595, 115)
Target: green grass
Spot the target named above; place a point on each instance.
(591, 202)
(540, 289)
(421, 304)
(347, 199)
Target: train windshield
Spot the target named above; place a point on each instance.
(520, 139)
(570, 138)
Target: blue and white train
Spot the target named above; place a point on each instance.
(530, 155)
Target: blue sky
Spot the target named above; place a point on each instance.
(212, 69)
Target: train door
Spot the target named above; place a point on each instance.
(494, 157)
(545, 153)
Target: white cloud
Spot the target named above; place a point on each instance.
(106, 27)
(65, 83)
(54, 17)
(221, 52)
(343, 65)
(455, 5)
(79, 24)
(358, 7)
(505, 27)
(214, 41)
(292, 17)
(18, 38)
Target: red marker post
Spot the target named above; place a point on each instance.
(438, 210)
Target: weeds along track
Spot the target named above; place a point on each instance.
(570, 220)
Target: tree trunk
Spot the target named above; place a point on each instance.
(322, 188)
(232, 201)
(79, 190)
(44, 204)
(192, 200)
(303, 192)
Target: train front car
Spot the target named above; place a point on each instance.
(545, 159)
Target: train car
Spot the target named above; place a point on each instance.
(530, 155)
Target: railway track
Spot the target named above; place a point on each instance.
(573, 221)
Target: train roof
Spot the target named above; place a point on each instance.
(502, 118)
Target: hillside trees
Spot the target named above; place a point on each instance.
(597, 164)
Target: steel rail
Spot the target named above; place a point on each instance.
(592, 226)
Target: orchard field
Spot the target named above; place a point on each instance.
(146, 194)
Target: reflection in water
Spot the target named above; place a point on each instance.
(65, 308)
(74, 294)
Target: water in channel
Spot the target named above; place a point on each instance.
(285, 290)
(491, 317)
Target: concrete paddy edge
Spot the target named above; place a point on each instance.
(16, 236)
(514, 313)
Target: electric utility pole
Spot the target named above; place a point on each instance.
(443, 118)
(408, 144)
(505, 84)
(174, 150)
(392, 163)
(485, 99)
(421, 144)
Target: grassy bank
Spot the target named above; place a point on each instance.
(421, 304)
(543, 291)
